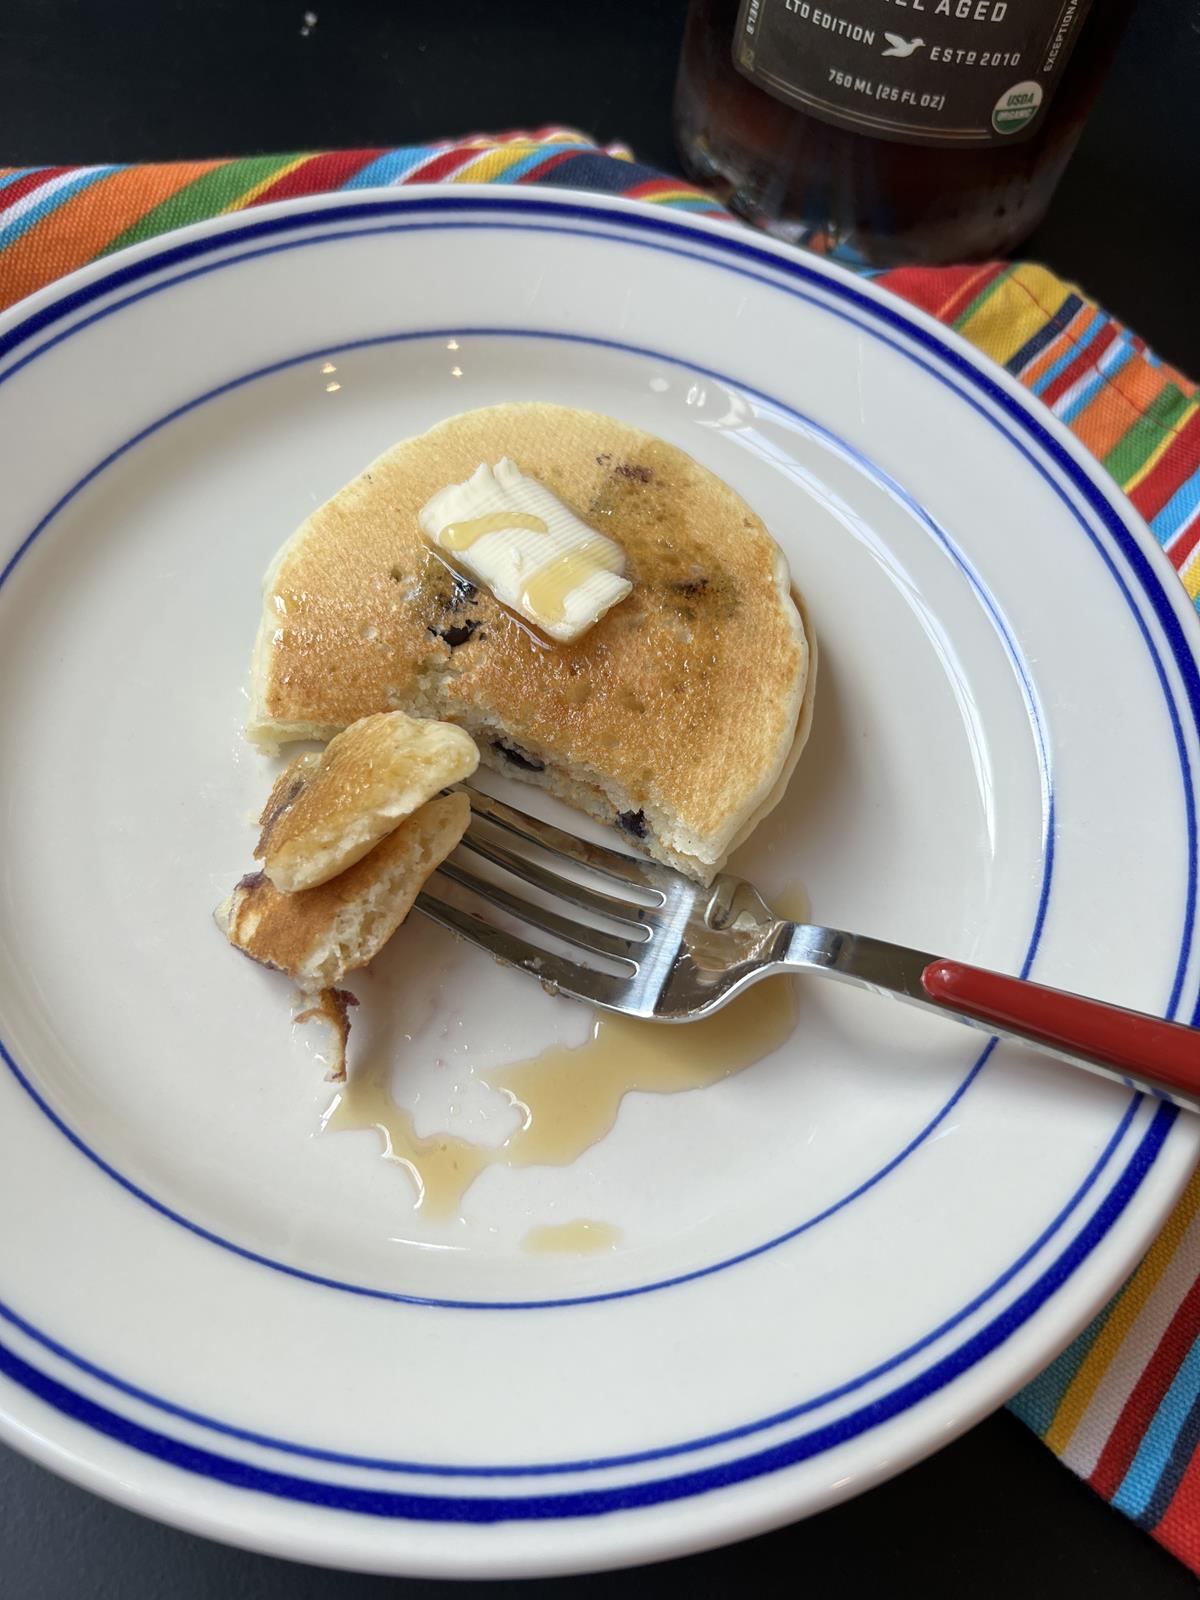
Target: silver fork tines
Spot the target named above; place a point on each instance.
(555, 972)
(647, 876)
(568, 889)
(644, 942)
(583, 936)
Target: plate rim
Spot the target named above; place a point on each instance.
(67, 292)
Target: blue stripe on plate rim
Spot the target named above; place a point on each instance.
(936, 343)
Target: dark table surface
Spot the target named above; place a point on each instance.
(82, 81)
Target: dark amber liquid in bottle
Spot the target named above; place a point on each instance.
(863, 198)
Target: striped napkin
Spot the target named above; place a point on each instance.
(1121, 1406)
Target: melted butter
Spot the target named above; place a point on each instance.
(547, 589)
(462, 535)
(569, 1098)
(581, 1237)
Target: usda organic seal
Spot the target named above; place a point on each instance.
(1017, 106)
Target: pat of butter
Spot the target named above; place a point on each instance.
(536, 556)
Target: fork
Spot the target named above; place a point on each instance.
(670, 950)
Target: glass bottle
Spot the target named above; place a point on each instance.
(890, 131)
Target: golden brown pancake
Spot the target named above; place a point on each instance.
(318, 935)
(326, 812)
(675, 716)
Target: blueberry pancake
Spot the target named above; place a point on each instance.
(677, 716)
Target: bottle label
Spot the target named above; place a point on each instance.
(966, 72)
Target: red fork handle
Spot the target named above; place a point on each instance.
(1108, 1037)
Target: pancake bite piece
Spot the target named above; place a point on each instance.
(327, 811)
(319, 935)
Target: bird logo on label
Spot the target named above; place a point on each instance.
(900, 46)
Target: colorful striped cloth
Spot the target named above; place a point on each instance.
(1140, 418)
(1121, 1406)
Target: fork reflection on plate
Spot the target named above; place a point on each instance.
(656, 945)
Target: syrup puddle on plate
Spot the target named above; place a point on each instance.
(568, 1098)
(582, 1237)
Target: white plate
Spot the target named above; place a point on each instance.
(830, 1263)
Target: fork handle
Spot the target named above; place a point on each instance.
(1145, 1052)
(1162, 1056)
